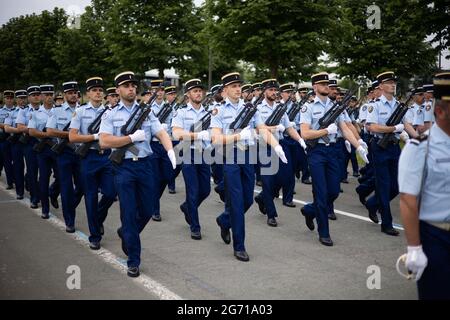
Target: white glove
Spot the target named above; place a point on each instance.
(172, 158)
(399, 128)
(245, 134)
(363, 153)
(348, 146)
(203, 135)
(362, 143)
(404, 136)
(96, 137)
(416, 261)
(280, 153)
(292, 124)
(280, 128)
(138, 136)
(332, 129)
(302, 143)
(164, 126)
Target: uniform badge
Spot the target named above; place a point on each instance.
(370, 109)
(304, 109)
(419, 111)
(364, 108)
(428, 108)
(214, 112)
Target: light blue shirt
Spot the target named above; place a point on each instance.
(84, 116)
(435, 199)
(24, 115)
(419, 115)
(226, 115)
(186, 117)
(312, 113)
(346, 118)
(114, 120)
(11, 119)
(409, 116)
(265, 111)
(429, 110)
(39, 119)
(60, 117)
(381, 112)
(4, 113)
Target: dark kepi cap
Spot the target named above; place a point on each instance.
(303, 89)
(321, 77)
(215, 89)
(111, 91)
(428, 88)
(21, 93)
(270, 83)
(33, 89)
(47, 88)
(418, 90)
(246, 88)
(231, 78)
(287, 87)
(95, 82)
(257, 86)
(70, 86)
(8, 94)
(386, 76)
(125, 77)
(354, 98)
(157, 84)
(333, 83)
(170, 89)
(375, 84)
(193, 83)
(441, 86)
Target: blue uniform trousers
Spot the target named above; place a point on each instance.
(325, 170)
(5, 149)
(385, 162)
(47, 164)
(31, 161)
(136, 186)
(269, 186)
(286, 173)
(97, 173)
(435, 280)
(239, 185)
(71, 184)
(198, 187)
(171, 184)
(18, 167)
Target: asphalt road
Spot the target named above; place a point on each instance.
(287, 262)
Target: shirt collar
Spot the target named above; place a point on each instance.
(122, 105)
(66, 106)
(439, 135)
(384, 100)
(327, 101)
(239, 105)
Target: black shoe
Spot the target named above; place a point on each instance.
(259, 183)
(221, 193)
(341, 190)
(34, 206)
(308, 220)
(172, 191)
(156, 218)
(297, 175)
(10, 187)
(196, 235)
(272, 222)
(260, 203)
(45, 216)
(70, 229)
(224, 233)
(326, 241)
(241, 256)
(19, 197)
(102, 230)
(54, 202)
(373, 216)
(356, 174)
(124, 247)
(133, 272)
(94, 245)
(344, 181)
(295, 192)
(307, 181)
(187, 217)
(289, 204)
(332, 216)
(390, 231)
(362, 199)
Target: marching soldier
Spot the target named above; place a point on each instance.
(5, 145)
(419, 111)
(322, 157)
(196, 172)
(68, 162)
(46, 158)
(424, 182)
(257, 90)
(239, 177)
(171, 95)
(429, 105)
(302, 160)
(96, 168)
(22, 120)
(59, 100)
(16, 146)
(134, 179)
(112, 97)
(247, 92)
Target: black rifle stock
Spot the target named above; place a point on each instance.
(243, 118)
(39, 147)
(275, 118)
(298, 106)
(58, 148)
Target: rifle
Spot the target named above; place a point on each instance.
(24, 138)
(58, 148)
(39, 147)
(298, 106)
(330, 117)
(275, 118)
(93, 128)
(166, 110)
(248, 111)
(202, 124)
(133, 124)
(13, 137)
(395, 118)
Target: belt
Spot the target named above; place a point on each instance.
(441, 225)
(136, 159)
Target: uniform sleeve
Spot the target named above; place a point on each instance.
(372, 114)
(177, 120)
(8, 120)
(363, 113)
(258, 119)
(285, 121)
(75, 123)
(51, 121)
(21, 117)
(346, 116)
(306, 114)
(32, 124)
(155, 125)
(410, 168)
(216, 121)
(106, 125)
